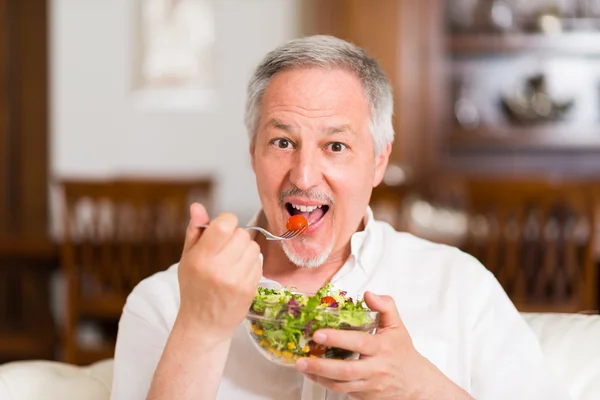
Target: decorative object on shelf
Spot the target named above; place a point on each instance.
(481, 15)
(550, 21)
(588, 8)
(495, 16)
(501, 15)
(465, 108)
(460, 14)
(540, 16)
(533, 103)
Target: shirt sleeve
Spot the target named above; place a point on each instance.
(142, 336)
(507, 359)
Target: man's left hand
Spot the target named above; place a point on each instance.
(389, 367)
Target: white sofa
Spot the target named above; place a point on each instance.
(571, 342)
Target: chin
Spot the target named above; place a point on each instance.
(303, 256)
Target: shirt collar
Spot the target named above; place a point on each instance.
(365, 245)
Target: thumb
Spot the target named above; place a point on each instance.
(198, 216)
(387, 309)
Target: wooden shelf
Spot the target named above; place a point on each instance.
(510, 137)
(582, 44)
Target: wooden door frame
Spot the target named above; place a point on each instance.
(24, 118)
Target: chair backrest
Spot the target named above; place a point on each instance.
(537, 237)
(115, 234)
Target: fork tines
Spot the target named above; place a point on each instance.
(292, 234)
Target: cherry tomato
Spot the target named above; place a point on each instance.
(296, 222)
(317, 349)
(327, 300)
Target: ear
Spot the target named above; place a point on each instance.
(251, 149)
(381, 163)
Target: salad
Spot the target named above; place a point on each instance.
(282, 322)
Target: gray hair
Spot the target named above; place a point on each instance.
(327, 51)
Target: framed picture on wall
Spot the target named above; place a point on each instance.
(173, 58)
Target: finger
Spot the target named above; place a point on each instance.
(339, 370)
(198, 216)
(387, 309)
(219, 232)
(236, 246)
(363, 343)
(341, 386)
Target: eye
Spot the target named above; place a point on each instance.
(282, 143)
(337, 147)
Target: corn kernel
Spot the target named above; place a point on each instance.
(263, 343)
(291, 345)
(277, 353)
(287, 354)
(305, 349)
(257, 330)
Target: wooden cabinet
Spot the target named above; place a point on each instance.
(398, 33)
(450, 83)
(26, 253)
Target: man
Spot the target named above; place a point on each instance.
(319, 116)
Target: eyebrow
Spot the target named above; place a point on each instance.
(344, 129)
(275, 123)
(339, 129)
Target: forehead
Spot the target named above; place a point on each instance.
(316, 92)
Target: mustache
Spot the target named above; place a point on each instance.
(317, 195)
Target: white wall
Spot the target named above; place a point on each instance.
(97, 128)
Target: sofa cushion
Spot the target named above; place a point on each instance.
(51, 380)
(571, 343)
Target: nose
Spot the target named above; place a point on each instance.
(306, 169)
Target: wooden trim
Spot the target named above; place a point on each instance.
(12, 138)
(569, 43)
(32, 114)
(23, 117)
(5, 115)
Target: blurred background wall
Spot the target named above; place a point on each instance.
(102, 124)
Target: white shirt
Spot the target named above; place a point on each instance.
(457, 314)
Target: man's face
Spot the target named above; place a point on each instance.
(313, 155)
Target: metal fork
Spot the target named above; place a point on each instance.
(285, 236)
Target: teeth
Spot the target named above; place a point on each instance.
(305, 208)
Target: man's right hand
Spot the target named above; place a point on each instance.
(218, 274)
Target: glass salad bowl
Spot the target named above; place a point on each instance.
(281, 323)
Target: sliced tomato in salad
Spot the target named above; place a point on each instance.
(316, 349)
(328, 300)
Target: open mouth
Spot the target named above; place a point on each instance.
(313, 214)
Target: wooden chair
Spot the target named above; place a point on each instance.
(117, 233)
(537, 237)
